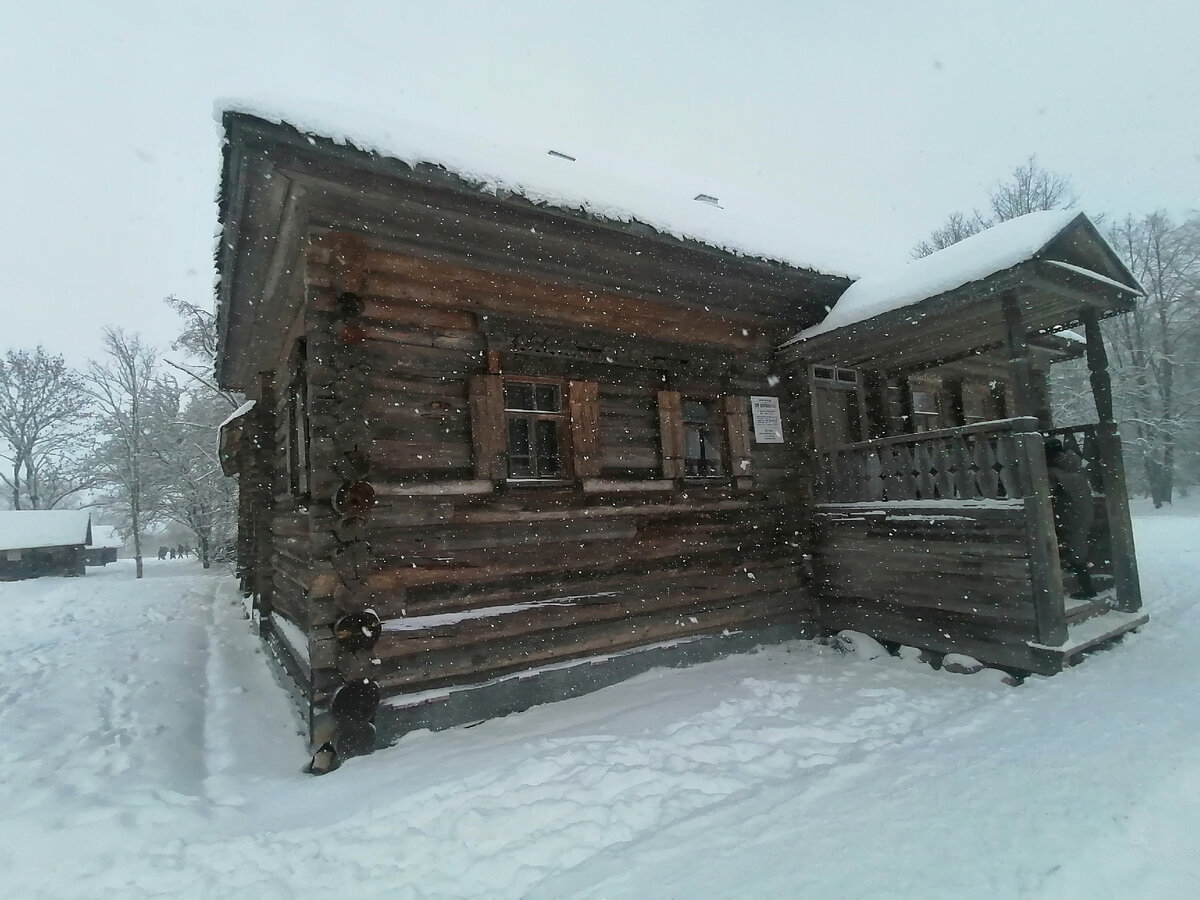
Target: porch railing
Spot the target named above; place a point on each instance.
(975, 462)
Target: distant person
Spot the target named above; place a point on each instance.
(162, 552)
(1074, 513)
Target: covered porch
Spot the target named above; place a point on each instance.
(934, 519)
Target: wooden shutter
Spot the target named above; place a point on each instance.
(488, 432)
(670, 429)
(584, 404)
(737, 430)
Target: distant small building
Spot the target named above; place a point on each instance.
(37, 542)
(106, 544)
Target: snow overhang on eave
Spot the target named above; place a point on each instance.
(964, 321)
(253, 145)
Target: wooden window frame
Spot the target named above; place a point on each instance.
(716, 420)
(838, 379)
(731, 420)
(298, 450)
(562, 420)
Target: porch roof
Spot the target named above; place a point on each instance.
(949, 304)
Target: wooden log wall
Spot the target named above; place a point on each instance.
(951, 579)
(471, 576)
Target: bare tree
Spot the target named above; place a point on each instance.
(43, 412)
(121, 387)
(1028, 188)
(1155, 346)
(957, 227)
(199, 340)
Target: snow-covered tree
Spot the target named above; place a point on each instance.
(122, 387)
(44, 409)
(184, 478)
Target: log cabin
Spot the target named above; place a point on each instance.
(39, 542)
(499, 450)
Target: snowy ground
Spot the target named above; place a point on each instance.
(147, 751)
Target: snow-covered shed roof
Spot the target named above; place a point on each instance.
(990, 251)
(26, 529)
(106, 536)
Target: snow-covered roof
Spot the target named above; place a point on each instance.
(237, 413)
(24, 529)
(106, 536)
(674, 202)
(993, 250)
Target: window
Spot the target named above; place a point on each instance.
(924, 410)
(836, 404)
(536, 427)
(701, 439)
(298, 466)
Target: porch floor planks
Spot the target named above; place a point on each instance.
(1090, 634)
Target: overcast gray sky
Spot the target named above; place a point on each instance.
(876, 118)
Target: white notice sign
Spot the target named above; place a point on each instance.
(768, 425)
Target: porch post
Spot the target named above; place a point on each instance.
(1112, 470)
(1018, 359)
(1045, 569)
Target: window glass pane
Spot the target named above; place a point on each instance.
(518, 395)
(924, 402)
(518, 436)
(549, 461)
(712, 453)
(847, 375)
(701, 450)
(696, 411)
(822, 372)
(546, 396)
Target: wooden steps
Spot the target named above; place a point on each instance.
(1087, 635)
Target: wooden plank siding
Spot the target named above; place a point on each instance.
(954, 578)
(475, 575)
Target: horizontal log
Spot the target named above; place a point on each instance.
(627, 486)
(632, 579)
(476, 664)
(407, 576)
(551, 616)
(458, 487)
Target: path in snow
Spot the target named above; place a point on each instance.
(149, 751)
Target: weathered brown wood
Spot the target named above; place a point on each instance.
(1020, 364)
(410, 278)
(470, 664)
(1045, 571)
(1120, 524)
(488, 435)
(1097, 361)
(670, 423)
(737, 431)
(554, 616)
(583, 404)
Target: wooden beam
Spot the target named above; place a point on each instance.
(1018, 356)
(1097, 360)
